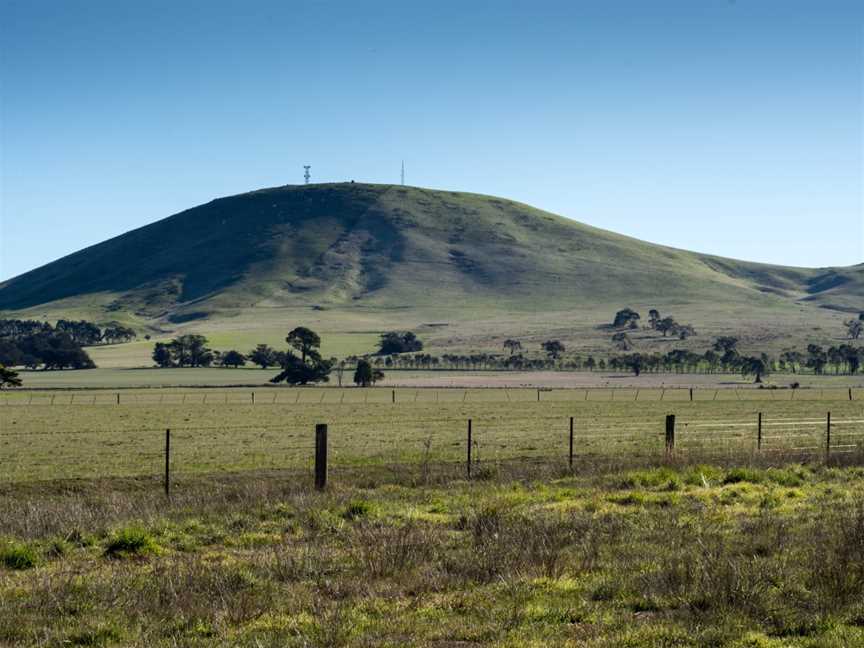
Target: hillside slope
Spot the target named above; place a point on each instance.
(394, 249)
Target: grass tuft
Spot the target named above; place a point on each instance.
(18, 556)
(130, 541)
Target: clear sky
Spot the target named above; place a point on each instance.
(730, 127)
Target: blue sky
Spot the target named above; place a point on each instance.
(730, 127)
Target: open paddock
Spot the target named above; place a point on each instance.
(420, 432)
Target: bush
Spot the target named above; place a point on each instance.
(130, 541)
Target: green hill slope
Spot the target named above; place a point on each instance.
(397, 254)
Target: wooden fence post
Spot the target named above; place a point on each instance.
(538, 395)
(468, 465)
(828, 438)
(168, 463)
(850, 393)
(393, 396)
(320, 456)
(670, 434)
(691, 394)
(253, 398)
(571, 443)
(759, 433)
(118, 398)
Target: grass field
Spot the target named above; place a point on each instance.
(61, 435)
(687, 558)
(720, 543)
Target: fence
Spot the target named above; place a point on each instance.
(432, 449)
(337, 395)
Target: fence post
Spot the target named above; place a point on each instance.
(168, 463)
(850, 393)
(468, 465)
(828, 438)
(320, 456)
(393, 396)
(571, 443)
(538, 395)
(253, 398)
(118, 398)
(759, 433)
(691, 394)
(670, 434)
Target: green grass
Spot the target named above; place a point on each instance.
(421, 437)
(594, 561)
(129, 542)
(18, 556)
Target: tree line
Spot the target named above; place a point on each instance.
(33, 344)
(301, 364)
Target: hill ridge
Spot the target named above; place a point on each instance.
(391, 247)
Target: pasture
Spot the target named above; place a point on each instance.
(412, 433)
(743, 535)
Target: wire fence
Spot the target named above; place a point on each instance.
(433, 448)
(353, 395)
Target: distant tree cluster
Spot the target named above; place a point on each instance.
(188, 350)
(396, 342)
(32, 344)
(628, 318)
(723, 356)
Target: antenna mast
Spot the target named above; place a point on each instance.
(403, 173)
(306, 174)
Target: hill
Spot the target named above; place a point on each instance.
(375, 256)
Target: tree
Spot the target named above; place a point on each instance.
(10, 354)
(233, 359)
(666, 325)
(753, 366)
(852, 356)
(395, 342)
(162, 355)
(114, 333)
(653, 318)
(792, 360)
(816, 358)
(8, 378)
(297, 372)
(727, 345)
(634, 362)
(626, 317)
(683, 331)
(56, 351)
(854, 327)
(306, 341)
(263, 356)
(622, 341)
(191, 350)
(363, 374)
(553, 348)
(513, 346)
(81, 332)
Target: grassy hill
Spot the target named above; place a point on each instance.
(358, 258)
